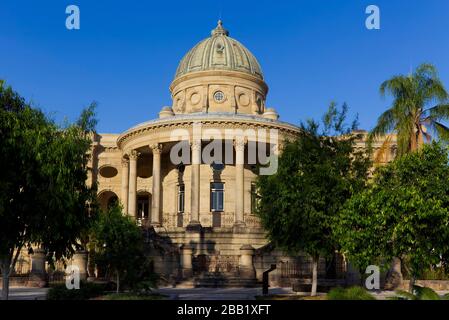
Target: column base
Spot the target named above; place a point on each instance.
(155, 224)
(194, 226)
(239, 227)
(37, 280)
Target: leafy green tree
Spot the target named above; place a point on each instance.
(44, 200)
(413, 111)
(317, 172)
(404, 213)
(119, 244)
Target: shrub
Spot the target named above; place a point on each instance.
(86, 291)
(353, 293)
(419, 293)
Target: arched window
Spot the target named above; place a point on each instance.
(143, 206)
(112, 202)
(107, 199)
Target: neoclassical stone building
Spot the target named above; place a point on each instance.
(188, 176)
(203, 208)
(201, 211)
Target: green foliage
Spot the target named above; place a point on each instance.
(316, 174)
(412, 112)
(44, 199)
(119, 246)
(353, 293)
(86, 291)
(404, 213)
(419, 293)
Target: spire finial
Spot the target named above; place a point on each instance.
(219, 30)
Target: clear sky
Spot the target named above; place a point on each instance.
(126, 52)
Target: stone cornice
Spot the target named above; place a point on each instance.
(220, 73)
(207, 120)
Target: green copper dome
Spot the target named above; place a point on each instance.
(219, 52)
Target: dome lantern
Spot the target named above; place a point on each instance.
(219, 30)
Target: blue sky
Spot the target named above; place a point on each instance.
(126, 52)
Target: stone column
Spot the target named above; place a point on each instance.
(80, 260)
(246, 265)
(186, 260)
(239, 145)
(195, 185)
(132, 196)
(37, 275)
(125, 184)
(38, 262)
(156, 193)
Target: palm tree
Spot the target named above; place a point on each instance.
(413, 113)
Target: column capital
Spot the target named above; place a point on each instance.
(133, 155)
(156, 148)
(195, 145)
(239, 143)
(125, 163)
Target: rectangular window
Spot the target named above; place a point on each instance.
(181, 198)
(217, 197)
(254, 198)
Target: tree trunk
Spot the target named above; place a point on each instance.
(413, 142)
(420, 140)
(5, 280)
(411, 284)
(314, 276)
(118, 282)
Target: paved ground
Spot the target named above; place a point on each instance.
(20, 293)
(219, 293)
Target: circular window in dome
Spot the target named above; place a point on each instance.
(108, 172)
(219, 96)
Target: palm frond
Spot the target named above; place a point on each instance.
(381, 155)
(442, 130)
(385, 124)
(438, 112)
(425, 70)
(398, 87)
